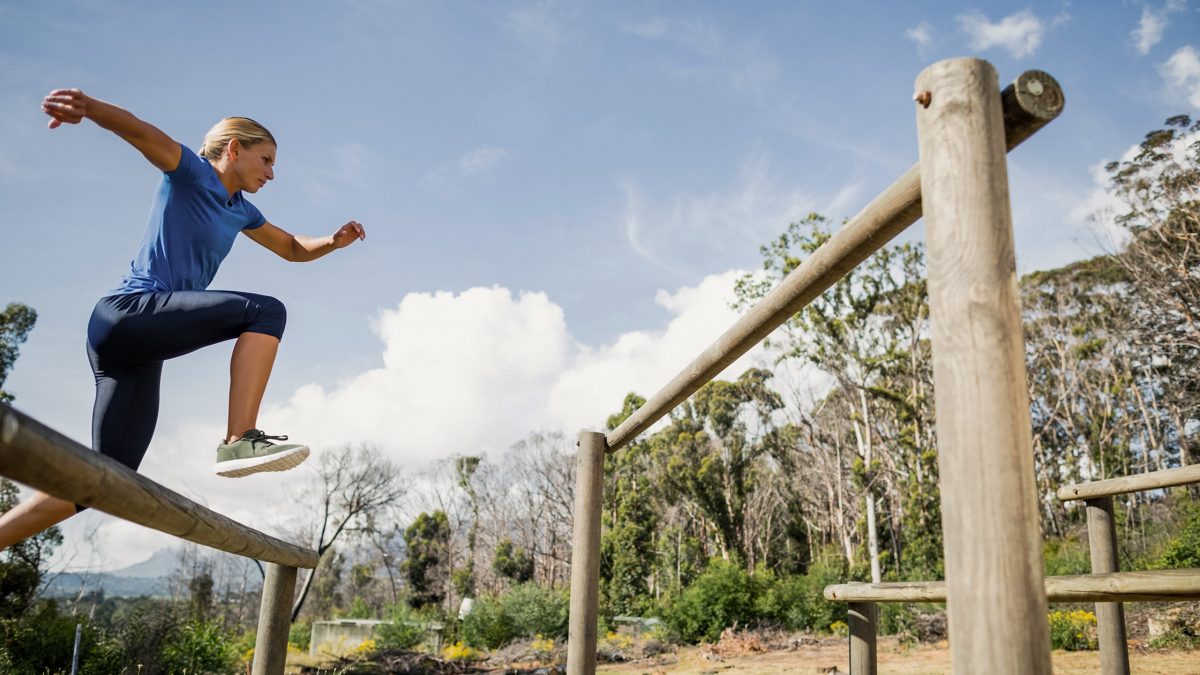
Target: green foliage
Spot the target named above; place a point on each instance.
(722, 596)
(1066, 556)
(511, 561)
(359, 609)
(798, 602)
(525, 611)
(427, 566)
(40, 641)
(1073, 630)
(404, 628)
(200, 647)
(1183, 550)
(15, 323)
(300, 635)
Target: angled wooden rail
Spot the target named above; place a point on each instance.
(39, 457)
(1153, 480)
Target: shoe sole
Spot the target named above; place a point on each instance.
(236, 468)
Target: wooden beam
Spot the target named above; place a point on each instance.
(1110, 616)
(274, 621)
(585, 555)
(1153, 480)
(990, 524)
(1030, 103)
(1155, 586)
(38, 456)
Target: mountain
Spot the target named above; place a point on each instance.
(161, 563)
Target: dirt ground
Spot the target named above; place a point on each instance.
(831, 656)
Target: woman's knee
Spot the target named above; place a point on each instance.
(270, 316)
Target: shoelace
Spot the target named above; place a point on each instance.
(256, 436)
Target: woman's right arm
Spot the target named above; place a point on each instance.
(71, 106)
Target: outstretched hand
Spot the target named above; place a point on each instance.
(65, 106)
(348, 234)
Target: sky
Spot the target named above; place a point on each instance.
(558, 195)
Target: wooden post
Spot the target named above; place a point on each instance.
(864, 616)
(585, 555)
(997, 601)
(1110, 616)
(274, 620)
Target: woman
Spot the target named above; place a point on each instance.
(161, 309)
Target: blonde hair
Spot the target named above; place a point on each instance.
(245, 130)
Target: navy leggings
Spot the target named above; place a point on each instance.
(129, 337)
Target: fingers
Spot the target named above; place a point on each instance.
(355, 228)
(65, 106)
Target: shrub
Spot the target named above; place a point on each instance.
(1183, 550)
(534, 610)
(403, 630)
(300, 635)
(723, 595)
(1073, 631)
(487, 625)
(200, 647)
(459, 652)
(798, 602)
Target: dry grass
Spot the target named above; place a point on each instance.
(831, 656)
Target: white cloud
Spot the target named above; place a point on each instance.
(481, 160)
(1019, 33)
(1182, 72)
(691, 227)
(1152, 24)
(922, 35)
(695, 34)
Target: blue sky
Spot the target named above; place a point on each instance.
(557, 194)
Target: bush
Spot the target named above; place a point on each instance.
(1183, 550)
(1073, 631)
(403, 630)
(200, 647)
(300, 635)
(723, 595)
(1066, 556)
(798, 602)
(525, 611)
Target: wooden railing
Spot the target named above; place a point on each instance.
(994, 584)
(37, 456)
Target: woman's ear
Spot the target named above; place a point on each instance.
(232, 148)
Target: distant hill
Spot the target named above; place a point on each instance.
(148, 577)
(162, 563)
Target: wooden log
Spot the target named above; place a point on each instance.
(1153, 586)
(274, 620)
(1030, 103)
(992, 535)
(585, 555)
(1153, 480)
(38, 456)
(1110, 616)
(864, 620)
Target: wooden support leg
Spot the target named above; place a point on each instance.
(585, 555)
(1110, 616)
(864, 617)
(274, 620)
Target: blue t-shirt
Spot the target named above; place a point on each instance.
(193, 222)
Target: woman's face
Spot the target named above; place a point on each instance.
(254, 164)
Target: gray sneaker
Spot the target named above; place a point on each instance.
(254, 452)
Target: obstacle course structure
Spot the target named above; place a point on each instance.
(994, 587)
(37, 456)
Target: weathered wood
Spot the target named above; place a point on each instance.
(990, 521)
(1155, 586)
(1153, 480)
(38, 456)
(864, 619)
(585, 555)
(274, 620)
(1110, 616)
(878, 223)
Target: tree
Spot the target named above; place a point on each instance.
(15, 323)
(630, 521)
(512, 562)
(428, 562)
(349, 486)
(464, 578)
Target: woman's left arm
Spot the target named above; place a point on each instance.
(297, 248)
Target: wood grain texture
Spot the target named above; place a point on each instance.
(1152, 480)
(992, 535)
(864, 621)
(274, 620)
(35, 455)
(585, 555)
(879, 222)
(1110, 616)
(1156, 586)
